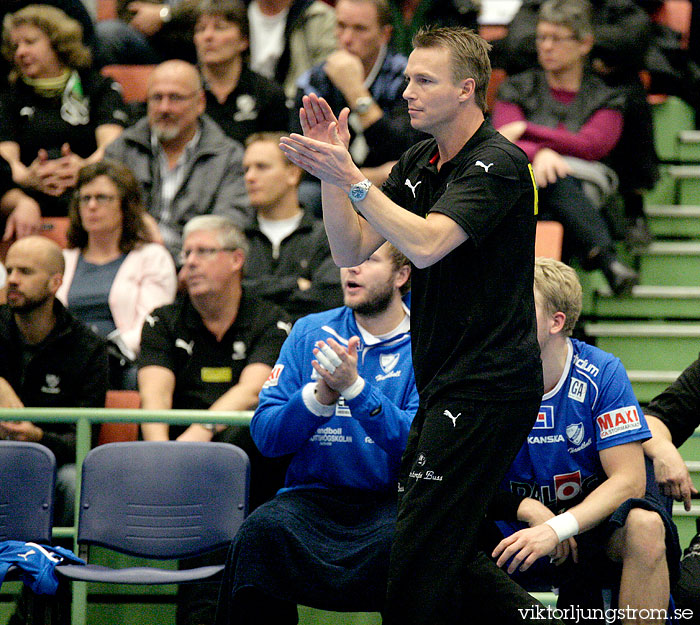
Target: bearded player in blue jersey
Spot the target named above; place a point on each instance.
(340, 401)
(579, 481)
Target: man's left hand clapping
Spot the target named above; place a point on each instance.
(337, 365)
(323, 149)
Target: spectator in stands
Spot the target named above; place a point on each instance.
(567, 120)
(621, 27)
(212, 349)
(20, 213)
(49, 359)
(74, 9)
(365, 77)
(60, 114)
(185, 164)
(289, 260)
(239, 100)
(584, 463)
(288, 37)
(147, 32)
(408, 16)
(114, 275)
(672, 65)
(622, 36)
(341, 399)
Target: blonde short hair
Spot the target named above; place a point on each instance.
(65, 34)
(559, 290)
(469, 55)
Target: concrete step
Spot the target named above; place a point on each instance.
(665, 190)
(679, 510)
(671, 118)
(674, 220)
(314, 616)
(677, 184)
(648, 384)
(645, 346)
(685, 523)
(671, 263)
(687, 180)
(689, 145)
(649, 302)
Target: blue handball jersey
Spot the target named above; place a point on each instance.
(591, 408)
(360, 445)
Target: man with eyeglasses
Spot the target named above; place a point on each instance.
(212, 349)
(184, 163)
(622, 47)
(216, 345)
(569, 123)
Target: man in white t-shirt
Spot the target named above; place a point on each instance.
(288, 37)
(289, 260)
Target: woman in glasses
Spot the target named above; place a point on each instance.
(568, 121)
(59, 114)
(115, 275)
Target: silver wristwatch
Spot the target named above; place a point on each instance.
(359, 190)
(363, 104)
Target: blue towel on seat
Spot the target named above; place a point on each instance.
(36, 563)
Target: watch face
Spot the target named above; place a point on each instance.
(363, 105)
(359, 190)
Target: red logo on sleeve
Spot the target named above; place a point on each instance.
(274, 377)
(618, 421)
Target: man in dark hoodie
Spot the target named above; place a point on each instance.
(289, 261)
(49, 359)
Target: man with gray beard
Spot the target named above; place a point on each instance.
(185, 164)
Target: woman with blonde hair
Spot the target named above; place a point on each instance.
(60, 114)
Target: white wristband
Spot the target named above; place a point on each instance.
(564, 525)
(354, 389)
(308, 396)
